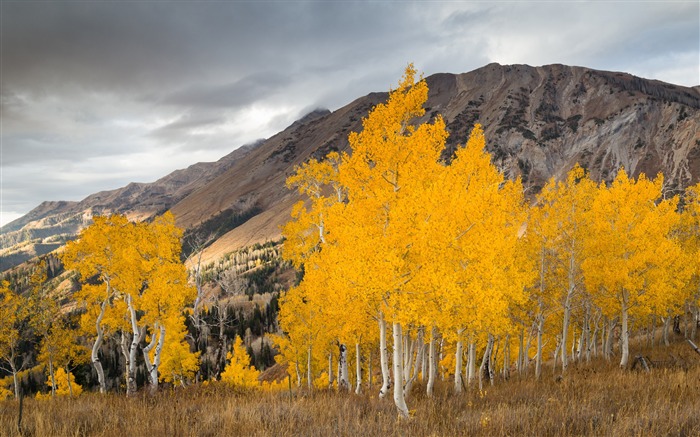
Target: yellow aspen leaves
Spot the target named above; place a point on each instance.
(239, 372)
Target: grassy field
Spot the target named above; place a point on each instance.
(593, 399)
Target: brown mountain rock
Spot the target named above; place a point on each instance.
(539, 122)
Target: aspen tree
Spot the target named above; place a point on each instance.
(633, 263)
(391, 160)
(239, 372)
(13, 313)
(690, 241)
(104, 250)
(558, 228)
(141, 284)
(478, 227)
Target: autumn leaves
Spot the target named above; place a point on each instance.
(135, 285)
(393, 234)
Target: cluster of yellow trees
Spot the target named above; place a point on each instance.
(134, 288)
(134, 284)
(453, 258)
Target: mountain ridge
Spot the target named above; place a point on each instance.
(538, 121)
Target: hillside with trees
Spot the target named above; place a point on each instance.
(406, 273)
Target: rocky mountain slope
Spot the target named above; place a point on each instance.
(51, 224)
(539, 121)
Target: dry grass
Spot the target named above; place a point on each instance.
(595, 399)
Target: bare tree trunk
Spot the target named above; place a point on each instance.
(343, 378)
(484, 370)
(440, 357)
(493, 360)
(538, 356)
(567, 312)
(399, 399)
(331, 374)
(565, 333)
(506, 357)
(369, 370)
(424, 363)
(70, 384)
(526, 352)
(610, 339)
(407, 351)
(471, 361)
(152, 366)
(625, 332)
(581, 342)
(413, 360)
(384, 358)
(358, 369)
(431, 362)
(53, 379)
(137, 336)
(15, 380)
(309, 372)
(458, 367)
(95, 358)
(521, 351)
(667, 327)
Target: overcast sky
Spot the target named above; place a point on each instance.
(98, 94)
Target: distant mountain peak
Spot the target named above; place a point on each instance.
(538, 122)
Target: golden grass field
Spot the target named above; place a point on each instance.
(596, 399)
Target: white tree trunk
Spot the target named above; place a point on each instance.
(521, 346)
(384, 358)
(567, 311)
(96, 363)
(343, 377)
(407, 350)
(538, 356)
(485, 362)
(625, 332)
(471, 361)
(358, 369)
(15, 380)
(526, 351)
(152, 366)
(413, 361)
(137, 336)
(431, 362)
(565, 332)
(609, 339)
(53, 379)
(309, 372)
(667, 327)
(492, 360)
(440, 357)
(70, 385)
(506, 357)
(369, 370)
(399, 399)
(331, 374)
(458, 367)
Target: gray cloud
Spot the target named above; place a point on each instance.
(231, 95)
(97, 94)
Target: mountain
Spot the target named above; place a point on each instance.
(539, 121)
(51, 224)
